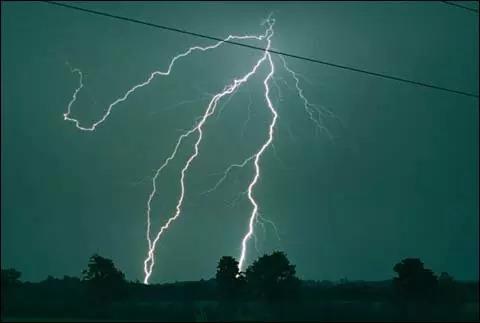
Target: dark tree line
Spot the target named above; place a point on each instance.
(415, 293)
(270, 277)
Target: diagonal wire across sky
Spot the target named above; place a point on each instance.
(308, 59)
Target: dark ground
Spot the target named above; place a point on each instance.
(67, 299)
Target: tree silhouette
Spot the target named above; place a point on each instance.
(414, 282)
(10, 277)
(104, 281)
(10, 280)
(230, 281)
(449, 290)
(272, 277)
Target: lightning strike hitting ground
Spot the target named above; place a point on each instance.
(259, 154)
(197, 129)
(150, 261)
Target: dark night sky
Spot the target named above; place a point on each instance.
(400, 181)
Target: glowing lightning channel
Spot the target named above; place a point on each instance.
(228, 90)
(74, 96)
(309, 109)
(249, 108)
(259, 154)
(263, 219)
(146, 82)
(227, 171)
(150, 260)
(306, 104)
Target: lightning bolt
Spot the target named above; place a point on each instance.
(146, 82)
(198, 129)
(249, 111)
(260, 152)
(309, 107)
(74, 96)
(227, 171)
(150, 260)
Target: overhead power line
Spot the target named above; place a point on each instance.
(313, 60)
(455, 4)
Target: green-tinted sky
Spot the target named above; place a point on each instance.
(400, 181)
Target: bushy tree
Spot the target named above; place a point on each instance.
(105, 282)
(10, 280)
(413, 281)
(10, 277)
(272, 277)
(230, 281)
(449, 290)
